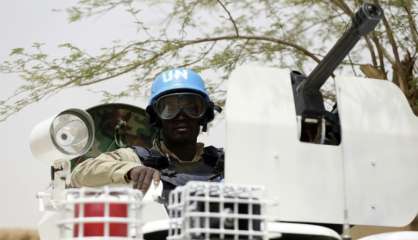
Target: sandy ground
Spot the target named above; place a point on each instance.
(362, 231)
(18, 234)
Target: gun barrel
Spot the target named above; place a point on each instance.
(363, 22)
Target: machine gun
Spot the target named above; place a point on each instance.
(364, 180)
(318, 125)
(274, 115)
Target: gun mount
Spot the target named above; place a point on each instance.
(309, 102)
(365, 180)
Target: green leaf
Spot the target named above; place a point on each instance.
(37, 45)
(16, 51)
(74, 14)
(40, 56)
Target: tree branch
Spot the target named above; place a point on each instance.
(380, 52)
(129, 68)
(230, 17)
(202, 56)
(260, 38)
(397, 67)
(371, 50)
(343, 6)
(412, 25)
(392, 40)
(181, 44)
(383, 53)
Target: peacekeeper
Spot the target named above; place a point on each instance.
(178, 107)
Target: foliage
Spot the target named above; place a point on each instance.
(218, 35)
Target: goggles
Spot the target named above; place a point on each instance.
(169, 106)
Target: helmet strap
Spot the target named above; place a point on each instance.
(204, 126)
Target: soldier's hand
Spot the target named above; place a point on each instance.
(142, 177)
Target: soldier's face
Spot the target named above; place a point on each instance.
(181, 129)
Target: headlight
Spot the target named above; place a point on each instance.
(67, 135)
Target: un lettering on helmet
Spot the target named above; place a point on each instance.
(176, 74)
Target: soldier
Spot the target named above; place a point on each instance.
(179, 105)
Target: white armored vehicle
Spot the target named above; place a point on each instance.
(292, 170)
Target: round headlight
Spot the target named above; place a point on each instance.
(67, 135)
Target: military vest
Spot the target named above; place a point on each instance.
(209, 168)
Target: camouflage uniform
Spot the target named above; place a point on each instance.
(116, 127)
(107, 168)
(112, 167)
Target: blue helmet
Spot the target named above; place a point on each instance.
(179, 80)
